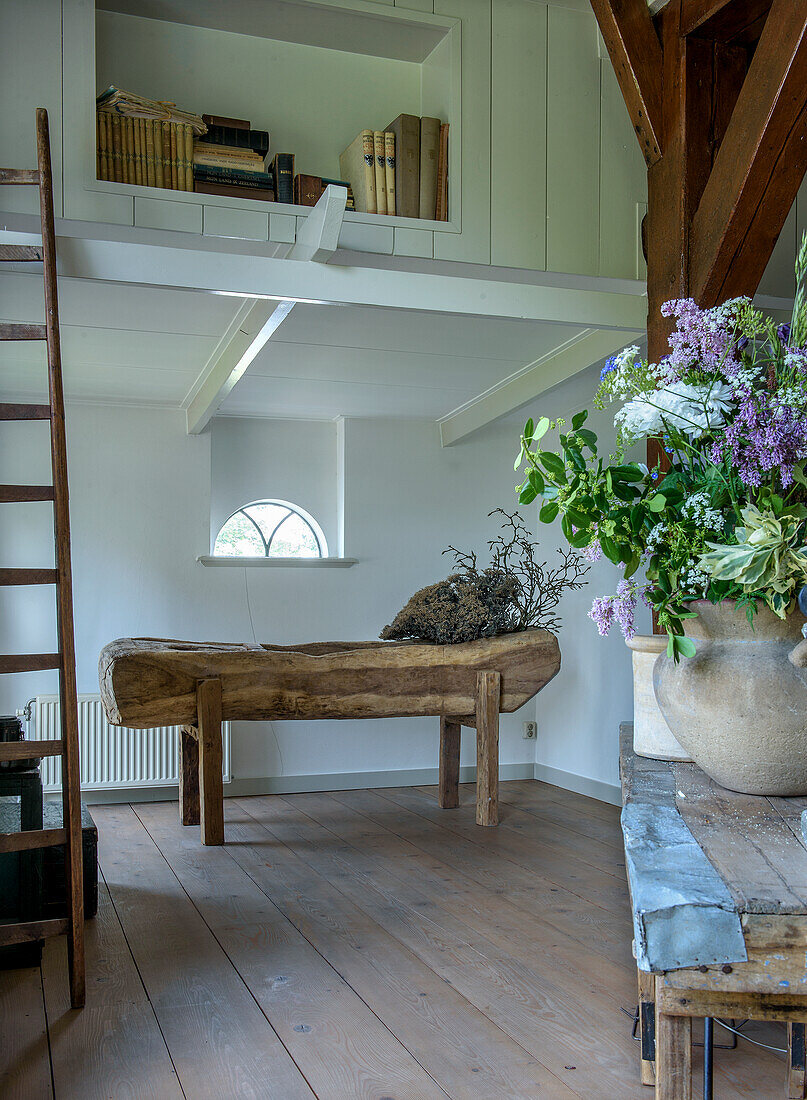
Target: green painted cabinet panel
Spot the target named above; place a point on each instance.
(623, 182)
(469, 151)
(572, 142)
(30, 77)
(518, 134)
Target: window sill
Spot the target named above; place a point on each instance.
(275, 563)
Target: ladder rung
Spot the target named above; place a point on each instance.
(20, 253)
(28, 750)
(29, 662)
(32, 838)
(29, 931)
(19, 175)
(28, 576)
(24, 412)
(12, 331)
(18, 493)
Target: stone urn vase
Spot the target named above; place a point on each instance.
(652, 736)
(739, 706)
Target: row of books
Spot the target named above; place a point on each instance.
(144, 151)
(233, 159)
(402, 170)
(145, 141)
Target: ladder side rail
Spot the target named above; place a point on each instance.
(71, 783)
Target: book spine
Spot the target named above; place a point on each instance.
(227, 187)
(172, 155)
(117, 149)
(256, 140)
(151, 179)
(159, 164)
(98, 169)
(380, 172)
(204, 159)
(103, 147)
(222, 175)
(389, 169)
(128, 148)
(187, 134)
(429, 148)
(284, 177)
(407, 165)
(441, 208)
(368, 152)
(138, 152)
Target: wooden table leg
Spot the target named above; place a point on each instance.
(488, 696)
(189, 775)
(647, 1026)
(796, 1062)
(673, 1056)
(449, 789)
(211, 791)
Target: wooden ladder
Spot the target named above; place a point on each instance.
(65, 660)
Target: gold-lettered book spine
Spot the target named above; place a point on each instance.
(148, 126)
(117, 149)
(159, 162)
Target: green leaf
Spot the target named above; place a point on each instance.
(519, 458)
(576, 458)
(536, 480)
(684, 646)
(549, 511)
(528, 495)
(657, 503)
(609, 548)
(588, 438)
(541, 428)
(553, 464)
(579, 419)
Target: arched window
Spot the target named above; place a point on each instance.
(271, 529)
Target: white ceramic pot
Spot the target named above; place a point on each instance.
(652, 736)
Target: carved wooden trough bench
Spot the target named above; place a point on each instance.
(147, 682)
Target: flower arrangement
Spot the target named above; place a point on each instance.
(727, 519)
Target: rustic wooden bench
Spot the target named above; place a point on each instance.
(147, 682)
(718, 885)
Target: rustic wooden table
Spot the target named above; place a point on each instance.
(718, 884)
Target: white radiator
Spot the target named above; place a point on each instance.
(112, 757)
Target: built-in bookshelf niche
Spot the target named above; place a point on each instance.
(312, 74)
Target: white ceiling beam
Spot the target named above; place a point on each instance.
(254, 323)
(318, 236)
(525, 385)
(119, 254)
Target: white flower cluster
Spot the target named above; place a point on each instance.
(621, 385)
(790, 397)
(698, 508)
(655, 537)
(691, 409)
(693, 579)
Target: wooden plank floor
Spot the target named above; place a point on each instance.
(360, 944)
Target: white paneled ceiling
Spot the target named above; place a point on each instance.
(144, 345)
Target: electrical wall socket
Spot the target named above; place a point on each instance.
(530, 730)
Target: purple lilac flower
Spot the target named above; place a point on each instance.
(702, 339)
(762, 437)
(592, 552)
(602, 613)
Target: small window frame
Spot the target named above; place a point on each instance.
(292, 510)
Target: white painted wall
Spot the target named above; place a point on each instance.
(140, 495)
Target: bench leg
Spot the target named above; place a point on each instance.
(488, 694)
(211, 791)
(673, 1057)
(449, 790)
(188, 776)
(647, 1027)
(796, 1067)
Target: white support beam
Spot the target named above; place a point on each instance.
(252, 326)
(318, 237)
(525, 385)
(118, 254)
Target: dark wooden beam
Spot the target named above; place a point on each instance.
(763, 154)
(723, 20)
(635, 52)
